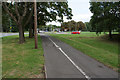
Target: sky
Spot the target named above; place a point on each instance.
(80, 11)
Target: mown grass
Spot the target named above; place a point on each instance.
(22, 60)
(87, 32)
(0, 57)
(104, 51)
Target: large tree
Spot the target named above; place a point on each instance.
(72, 25)
(18, 15)
(8, 23)
(88, 26)
(5, 21)
(47, 12)
(80, 25)
(64, 25)
(106, 16)
(53, 11)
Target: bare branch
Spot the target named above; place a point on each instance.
(25, 11)
(7, 10)
(31, 13)
(16, 10)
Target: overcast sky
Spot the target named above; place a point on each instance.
(80, 10)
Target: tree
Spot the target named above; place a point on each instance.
(5, 22)
(47, 12)
(88, 26)
(64, 25)
(8, 23)
(31, 28)
(72, 25)
(80, 25)
(53, 11)
(18, 15)
(104, 13)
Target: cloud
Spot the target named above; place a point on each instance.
(82, 17)
(54, 23)
(80, 11)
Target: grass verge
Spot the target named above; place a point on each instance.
(89, 43)
(22, 60)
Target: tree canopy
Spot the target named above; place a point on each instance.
(106, 16)
(53, 11)
(22, 13)
(72, 25)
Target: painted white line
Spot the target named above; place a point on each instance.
(75, 64)
(45, 72)
(86, 76)
(54, 43)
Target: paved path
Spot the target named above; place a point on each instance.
(63, 61)
(9, 34)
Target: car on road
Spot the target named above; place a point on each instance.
(75, 32)
(41, 31)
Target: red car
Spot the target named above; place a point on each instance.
(75, 32)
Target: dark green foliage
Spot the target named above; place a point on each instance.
(88, 26)
(73, 26)
(80, 25)
(53, 11)
(106, 16)
(22, 12)
(8, 22)
(5, 21)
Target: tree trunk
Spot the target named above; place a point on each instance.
(77, 28)
(69, 28)
(33, 31)
(30, 32)
(21, 34)
(110, 34)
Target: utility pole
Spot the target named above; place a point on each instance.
(35, 24)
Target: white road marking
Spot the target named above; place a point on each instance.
(86, 76)
(54, 43)
(41, 34)
(45, 71)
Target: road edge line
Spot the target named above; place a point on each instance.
(45, 71)
(86, 76)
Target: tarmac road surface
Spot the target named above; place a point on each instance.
(63, 61)
(9, 34)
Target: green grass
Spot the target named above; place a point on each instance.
(22, 60)
(89, 43)
(0, 58)
(94, 32)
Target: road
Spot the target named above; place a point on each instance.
(9, 34)
(63, 61)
